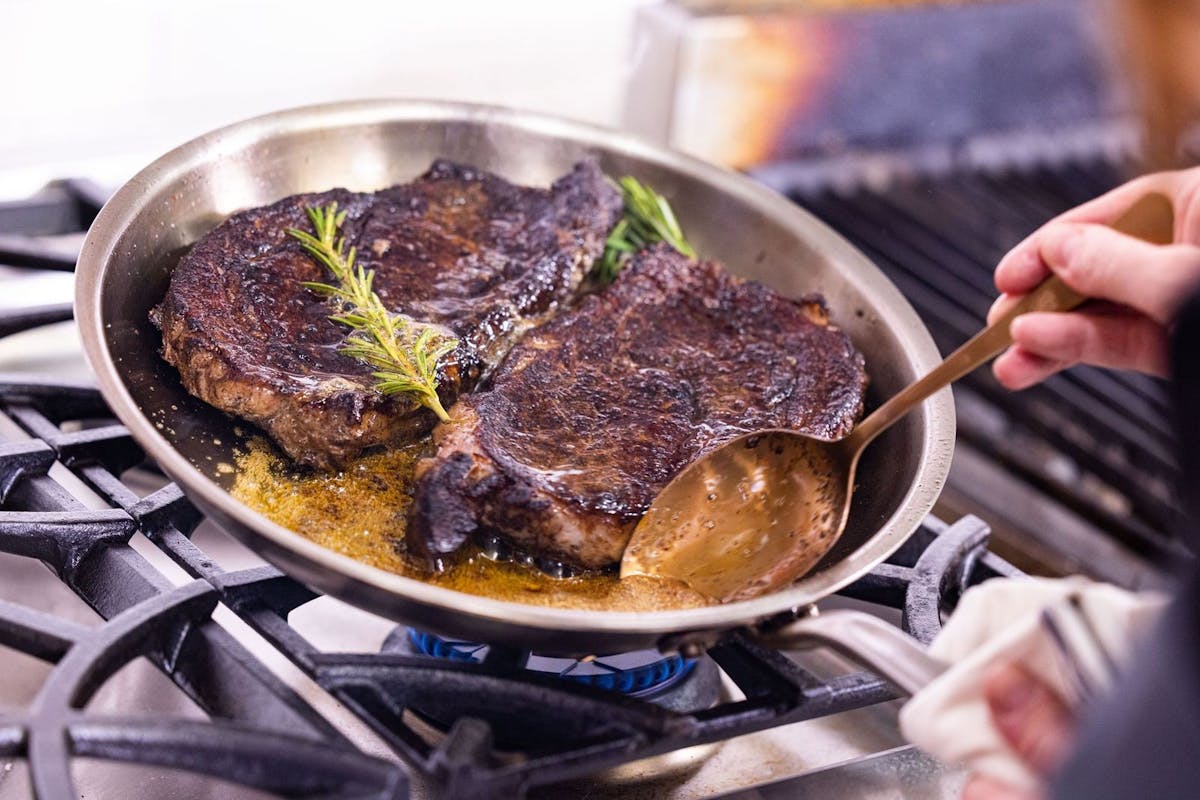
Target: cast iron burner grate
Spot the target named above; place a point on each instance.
(258, 731)
(261, 733)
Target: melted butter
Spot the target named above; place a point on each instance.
(360, 512)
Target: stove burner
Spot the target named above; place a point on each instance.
(261, 733)
(669, 682)
(643, 673)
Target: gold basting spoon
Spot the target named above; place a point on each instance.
(761, 510)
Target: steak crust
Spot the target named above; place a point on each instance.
(458, 247)
(593, 412)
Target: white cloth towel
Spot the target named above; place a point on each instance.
(997, 622)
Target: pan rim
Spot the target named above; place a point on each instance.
(122, 209)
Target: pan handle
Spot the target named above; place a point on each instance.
(882, 648)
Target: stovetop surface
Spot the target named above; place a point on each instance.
(158, 657)
(215, 666)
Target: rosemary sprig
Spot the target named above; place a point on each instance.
(404, 353)
(647, 218)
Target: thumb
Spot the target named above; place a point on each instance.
(1033, 720)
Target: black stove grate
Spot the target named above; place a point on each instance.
(259, 731)
(938, 236)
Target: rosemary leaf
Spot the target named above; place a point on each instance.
(319, 288)
(647, 218)
(404, 353)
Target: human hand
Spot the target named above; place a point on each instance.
(1034, 721)
(1140, 286)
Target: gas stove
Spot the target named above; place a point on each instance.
(150, 655)
(272, 684)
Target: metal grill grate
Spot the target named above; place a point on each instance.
(938, 237)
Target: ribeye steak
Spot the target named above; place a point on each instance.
(593, 412)
(457, 247)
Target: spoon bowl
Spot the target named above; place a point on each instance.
(775, 522)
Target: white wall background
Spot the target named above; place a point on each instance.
(98, 89)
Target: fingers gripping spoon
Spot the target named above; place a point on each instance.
(761, 510)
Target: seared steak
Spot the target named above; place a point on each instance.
(458, 247)
(593, 412)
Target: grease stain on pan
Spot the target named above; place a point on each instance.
(360, 512)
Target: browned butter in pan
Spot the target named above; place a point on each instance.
(360, 512)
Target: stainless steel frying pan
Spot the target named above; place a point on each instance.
(139, 236)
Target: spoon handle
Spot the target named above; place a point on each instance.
(1150, 218)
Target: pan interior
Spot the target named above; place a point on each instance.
(129, 259)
